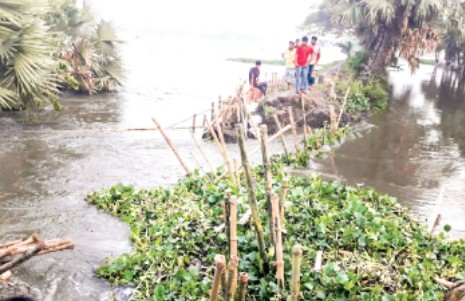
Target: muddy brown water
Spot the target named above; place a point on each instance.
(48, 166)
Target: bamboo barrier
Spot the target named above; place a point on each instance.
(202, 152)
(283, 140)
(294, 129)
(173, 148)
(243, 282)
(278, 242)
(252, 199)
(268, 177)
(220, 265)
(295, 281)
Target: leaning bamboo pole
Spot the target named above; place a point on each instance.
(283, 140)
(202, 152)
(243, 282)
(225, 150)
(278, 242)
(220, 264)
(218, 144)
(268, 177)
(296, 263)
(346, 96)
(254, 126)
(252, 198)
(171, 145)
(294, 129)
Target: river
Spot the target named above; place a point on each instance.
(49, 164)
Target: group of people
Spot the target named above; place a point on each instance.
(300, 59)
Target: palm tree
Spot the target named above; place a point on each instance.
(389, 26)
(26, 64)
(346, 48)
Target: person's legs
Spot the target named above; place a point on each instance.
(298, 78)
(262, 87)
(310, 71)
(304, 85)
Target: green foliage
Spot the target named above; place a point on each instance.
(388, 256)
(355, 63)
(370, 96)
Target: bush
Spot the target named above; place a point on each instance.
(363, 97)
(356, 62)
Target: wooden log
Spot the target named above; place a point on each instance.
(318, 261)
(252, 199)
(278, 242)
(268, 177)
(283, 140)
(202, 152)
(295, 281)
(434, 220)
(58, 248)
(294, 129)
(232, 279)
(220, 265)
(171, 145)
(243, 283)
(20, 259)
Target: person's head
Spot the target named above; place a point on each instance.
(305, 40)
(297, 43)
(291, 45)
(314, 40)
(258, 64)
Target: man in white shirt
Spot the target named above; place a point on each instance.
(314, 61)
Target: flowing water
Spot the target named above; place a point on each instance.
(48, 165)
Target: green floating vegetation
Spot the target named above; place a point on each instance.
(372, 248)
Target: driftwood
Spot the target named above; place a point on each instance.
(16, 252)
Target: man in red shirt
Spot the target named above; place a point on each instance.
(304, 55)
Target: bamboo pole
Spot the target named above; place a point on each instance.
(213, 112)
(332, 119)
(236, 173)
(434, 220)
(202, 152)
(225, 150)
(173, 148)
(254, 126)
(282, 198)
(227, 215)
(294, 129)
(218, 144)
(232, 279)
(318, 261)
(278, 242)
(295, 282)
(283, 140)
(243, 282)
(233, 226)
(343, 107)
(268, 177)
(220, 264)
(194, 122)
(20, 259)
(304, 118)
(252, 199)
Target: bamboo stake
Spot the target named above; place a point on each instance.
(268, 177)
(278, 242)
(252, 198)
(218, 144)
(194, 123)
(437, 211)
(225, 150)
(294, 129)
(173, 148)
(20, 259)
(318, 261)
(343, 107)
(202, 152)
(332, 119)
(243, 282)
(220, 264)
(227, 215)
(295, 282)
(304, 117)
(232, 279)
(282, 198)
(283, 140)
(233, 226)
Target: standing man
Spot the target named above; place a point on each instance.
(304, 54)
(314, 61)
(254, 75)
(297, 43)
(289, 59)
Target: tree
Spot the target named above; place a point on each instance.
(346, 48)
(26, 65)
(388, 27)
